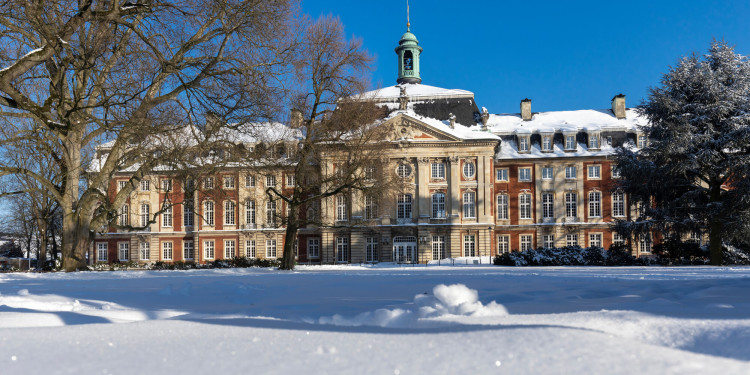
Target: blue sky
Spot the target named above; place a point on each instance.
(563, 55)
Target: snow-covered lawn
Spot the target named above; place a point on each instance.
(379, 320)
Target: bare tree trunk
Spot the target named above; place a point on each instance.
(715, 230)
(42, 233)
(287, 262)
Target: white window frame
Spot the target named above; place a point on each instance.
(618, 239)
(121, 185)
(595, 239)
(371, 207)
(438, 205)
(209, 249)
(250, 249)
(503, 244)
(548, 241)
(571, 239)
(271, 213)
(570, 142)
(166, 185)
(469, 205)
(166, 215)
(595, 204)
(249, 180)
(145, 185)
(594, 141)
(547, 143)
(313, 243)
(470, 245)
(524, 145)
(524, 206)
(642, 141)
(645, 243)
(548, 205)
(403, 170)
(524, 174)
(438, 247)
(437, 171)
(616, 173)
(123, 218)
(371, 249)
(571, 172)
(271, 251)
(342, 213)
(502, 207)
(208, 183)
(291, 180)
(123, 248)
(548, 173)
(230, 249)
(145, 214)
(250, 211)
(229, 212)
(403, 206)
(145, 250)
(501, 174)
(228, 182)
(571, 204)
(102, 251)
(188, 213)
(167, 250)
(270, 181)
(526, 242)
(618, 204)
(469, 170)
(208, 213)
(188, 250)
(342, 249)
(595, 172)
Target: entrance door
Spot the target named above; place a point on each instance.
(405, 249)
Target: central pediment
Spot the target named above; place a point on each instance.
(407, 128)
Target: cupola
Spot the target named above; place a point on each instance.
(408, 52)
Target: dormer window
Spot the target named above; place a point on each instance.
(594, 140)
(523, 143)
(570, 142)
(547, 143)
(641, 141)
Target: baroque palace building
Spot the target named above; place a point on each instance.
(476, 184)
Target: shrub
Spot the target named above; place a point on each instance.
(566, 256)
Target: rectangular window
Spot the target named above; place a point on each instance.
(228, 182)
(546, 173)
(249, 181)
(342, 249)
(271, 214)
(250, 248)
(271, 249)
(341, 209)
(502, 207)
(166, 252)
(229, 213)
(571, 205)
(121, 185)
(208, 183)
(101, 251)
(548, 241)
(595, 240)
(230, 251)
(524, 174)
(403, 206)
(371, 207)
(166, 215)
(208, 212)
(270, 181)
(438, 171)
(208, 250)
(618, 239)
(438, 247)
(470, 249)
(546, 143)
(124, 251)
(438, 206)
(595, 172)
(369, 173)
(645, 243)
(313, 247)
(371, 249)
(166, 185)
(595, 204)
(570, 142)
(250, 211)
(188, 214)
(524, 206)
(593, 140)
(145, 185)
(571, 240)
(503, 244)
(570, 172)
(616, 172)
(188, 250)
(523, 143)
(641, 141)
(469, 205)
(145, 251)
(123, 219)
(145, 214)
(501, 174)
(290, 180)
(548, 207)
(618, 204)
(525, 242)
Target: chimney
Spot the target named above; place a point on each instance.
(452, 119)
(485, 118)
(526, 109)
(618, 106)
(295, 118)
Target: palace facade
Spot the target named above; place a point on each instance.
(476, 184)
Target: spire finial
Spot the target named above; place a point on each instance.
(408, 24)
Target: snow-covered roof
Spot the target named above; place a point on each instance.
(459, 131)
(509, 150)
(561, 121)
(416, 91)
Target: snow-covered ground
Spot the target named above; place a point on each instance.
(379, 320)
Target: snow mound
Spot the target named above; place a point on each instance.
(446, 301)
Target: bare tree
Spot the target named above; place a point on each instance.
(125, 73)
(337, 151)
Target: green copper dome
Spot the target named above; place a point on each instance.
(408, 52)
(408, 37)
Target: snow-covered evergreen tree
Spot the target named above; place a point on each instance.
(692, 176)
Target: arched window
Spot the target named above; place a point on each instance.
(408, 60)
